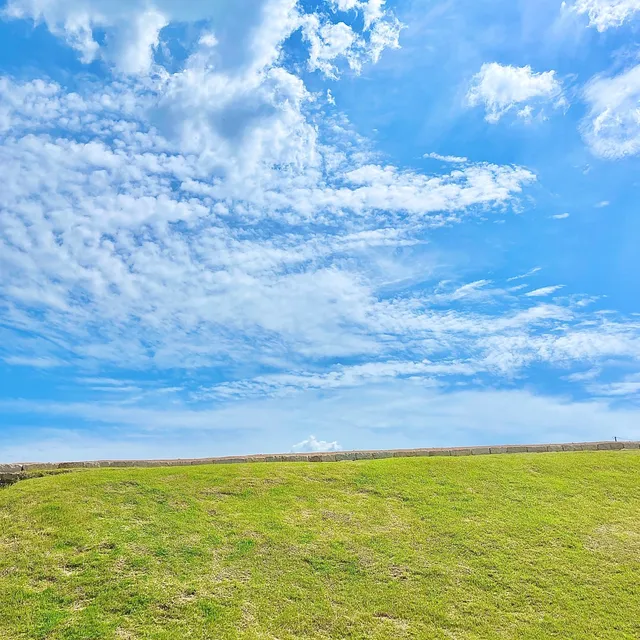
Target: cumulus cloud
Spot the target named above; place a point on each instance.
(327, 42)
(313, 445)
(605, 14)
(612, 125)
(330, 42)
(133, 28)
(134, 43)
(502, 88)
(250, 33)
(232, 98)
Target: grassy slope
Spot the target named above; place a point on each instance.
(520, 546)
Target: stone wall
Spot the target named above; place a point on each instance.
(15, 471)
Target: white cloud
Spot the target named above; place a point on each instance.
(582, 376)
(605, 14)
(612, 125)
(468, 289)
(133, 28)
(629, 386)
(134, 43)
(218, 217)
(543, 291)
(313, 445)
(328, 42)
(385, 34)
(39, 362)
(372, 10)
(345, 5)
(603, 203)
(285, 384)
(247, 34)
(451, 159)
(560, 216)
(500, 88)
(525, 275)
(29, 104)
(331, 41)
(132, 228)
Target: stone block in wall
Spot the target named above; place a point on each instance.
(480, 451)
(38, 466)
(10, 468)
(297, 457)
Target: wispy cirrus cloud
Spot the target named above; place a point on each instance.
(525, 275)
(543, 291)
(449, 159)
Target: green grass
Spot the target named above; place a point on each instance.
(518, 546)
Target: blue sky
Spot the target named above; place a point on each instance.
(273, 225)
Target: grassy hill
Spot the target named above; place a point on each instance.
(521, 546)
